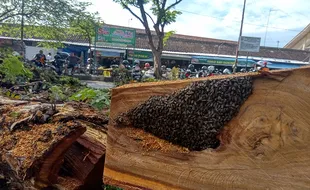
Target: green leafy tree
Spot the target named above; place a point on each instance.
(161, 15)
(84, 24)
(44, 19)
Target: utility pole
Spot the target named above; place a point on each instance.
(268, 24)
(237, 49)
(278, 43)
(22, 28)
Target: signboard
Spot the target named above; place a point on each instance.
(249, 44)
(222, 62)
(109, 36)
(140, 54)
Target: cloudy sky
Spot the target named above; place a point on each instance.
(221, 18)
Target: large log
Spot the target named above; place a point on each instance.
(265, 146)
(36, 139)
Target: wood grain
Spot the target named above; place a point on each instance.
(266, 146)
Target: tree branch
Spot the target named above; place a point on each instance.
(126, 7)
(150, 17)
(146, 25)
(172, 5)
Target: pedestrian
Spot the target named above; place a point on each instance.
(73, 62)
(58, 63)
(49, 58)
(39, 59)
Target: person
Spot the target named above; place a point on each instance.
(39, 59)
(58, 63)
(73, 62)
(191, 68)
(265, 68)
(147, 66)
(49, 58)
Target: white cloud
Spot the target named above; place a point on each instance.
(221, 18)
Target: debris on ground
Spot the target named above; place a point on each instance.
(41, 142)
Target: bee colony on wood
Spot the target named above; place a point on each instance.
(192, 117)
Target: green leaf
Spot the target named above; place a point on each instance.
(12, 69)
(167, 36)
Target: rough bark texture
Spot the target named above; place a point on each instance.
(157, 63)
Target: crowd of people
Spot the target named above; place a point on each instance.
(61, 62)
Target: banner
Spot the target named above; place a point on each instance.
(109, 36)
(140, 54)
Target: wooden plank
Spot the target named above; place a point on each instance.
(266, 146)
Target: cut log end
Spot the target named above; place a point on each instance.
(269, 133)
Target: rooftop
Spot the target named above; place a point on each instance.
(199, 45)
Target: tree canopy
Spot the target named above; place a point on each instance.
(84, 24)
(46, 19)
(160, 15)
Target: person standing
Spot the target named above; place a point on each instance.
(73, 62)
(49, 58)
(39, 59)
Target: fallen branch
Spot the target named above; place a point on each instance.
(20, 122)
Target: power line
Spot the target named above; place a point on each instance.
(221, 18)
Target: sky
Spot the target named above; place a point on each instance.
(221, 19)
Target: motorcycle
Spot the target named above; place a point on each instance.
(149, 74)
(136, 73)
(190, 74)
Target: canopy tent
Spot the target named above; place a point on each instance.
(78, 50)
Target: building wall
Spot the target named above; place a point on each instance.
(31, 51)
(303, 44)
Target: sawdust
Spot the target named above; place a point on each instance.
(27, 146)
(149, 142)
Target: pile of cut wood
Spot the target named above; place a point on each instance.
(51, 146)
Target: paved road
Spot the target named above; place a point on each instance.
(98, 84)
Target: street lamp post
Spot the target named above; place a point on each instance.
(237, 49)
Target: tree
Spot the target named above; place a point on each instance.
(45, 19)
(161, 15)
(85, 24)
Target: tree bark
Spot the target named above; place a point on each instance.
(157, 63)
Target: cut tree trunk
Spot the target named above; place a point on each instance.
(33, 153)
(265, 146)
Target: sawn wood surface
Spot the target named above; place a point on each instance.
(266, 146)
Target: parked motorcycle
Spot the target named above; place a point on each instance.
(191, 71)
(226, 71)
(136, 73)
(203, 72)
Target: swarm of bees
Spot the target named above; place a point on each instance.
(193, 117)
